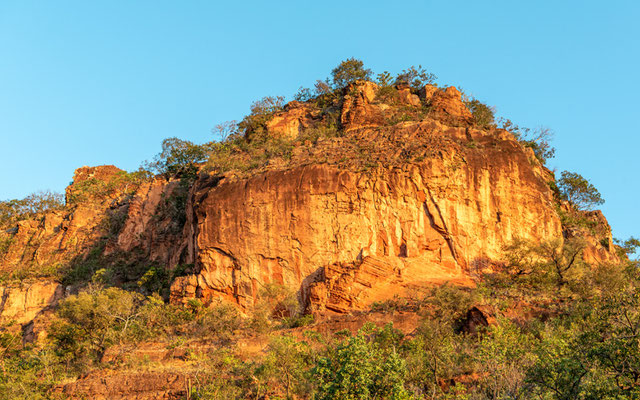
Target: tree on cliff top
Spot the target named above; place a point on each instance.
(348, 71)
(578, 191)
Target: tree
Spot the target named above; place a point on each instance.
(538, 140)
(253, 125)
(225, 129)
(359, 369)
(416, 77)
(578, 191)
(180, 157)
(562, 256)
(12, 211)
(348, 71)
(483, 114)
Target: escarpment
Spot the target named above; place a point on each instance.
(409, 193)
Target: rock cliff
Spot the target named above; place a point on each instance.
(411, 193)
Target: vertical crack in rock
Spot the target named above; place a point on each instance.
(442, 230)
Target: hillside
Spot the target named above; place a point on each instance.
(400, 203)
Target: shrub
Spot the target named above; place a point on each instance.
(578, 191)
(253, 125)
(482, 113)
(358, 369)
(180, 157)
(12, 211)
(92, 321)
(537, 139)
(303, 94)
(348, 71)
(415, 77)
(98, 190)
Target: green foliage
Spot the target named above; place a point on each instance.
(416, 77)
(384, 79)
(303, 95)
(483, 114)
(180, 157)
(578, 191)
(348, 71)
(627, 247)
(94, 320)
(537, 139)
(254, 125)
(277, 306)
(94, 189)
(359, 369)
(12, 211)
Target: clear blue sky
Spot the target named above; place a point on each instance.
(103, 82)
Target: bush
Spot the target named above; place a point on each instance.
(349, 71)
(94, 189)
(415, 77)
(360, 369)
(12, 211)
(537, 139)
(92, 321)
(482, 113)
(180, 157)
(578, 191)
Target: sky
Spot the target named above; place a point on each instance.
(104, 82)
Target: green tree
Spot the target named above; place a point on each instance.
(254, 124)
(578, 191)
(415, 77)
(483, 114)
(359, 369)
(92, 321)
(348, 71)
(12, 211)
(180, 157)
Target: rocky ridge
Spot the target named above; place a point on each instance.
(412, 193)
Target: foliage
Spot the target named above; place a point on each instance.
(181, 157)
(483, 114)
(578, 191)
(416, 77)
(360, 369)
(537, 139)
(94, 320)
(348, 71)
(12, 211)
(94, 189)
(253, 126)
(627, 247)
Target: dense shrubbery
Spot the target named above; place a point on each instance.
(95, 189)
(12, 211)
(578, 191)
(483, 114)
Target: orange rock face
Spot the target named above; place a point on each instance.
(387, 208)
(345, 238)
(22, 303)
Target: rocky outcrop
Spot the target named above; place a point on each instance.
(20, 304)
(357, 109)
(447, 105)
(381, 231)
(293, 120)
(57, 237)
(153, 224)
(121, 386)
(386, 206)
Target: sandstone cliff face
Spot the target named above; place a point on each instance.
(20, 304)
(422, 223)
(391, 206)
(59, 236)
(344, 238)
